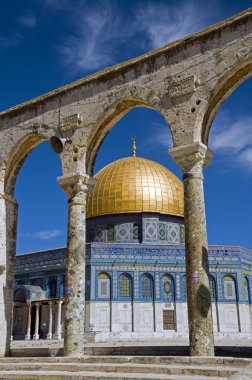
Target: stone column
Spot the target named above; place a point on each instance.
(76, 186)
(28, 331)
(8, 228)
(36, 335)
(49, 334)
(191, 159)
(58, 334)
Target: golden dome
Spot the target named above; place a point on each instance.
(135, 184)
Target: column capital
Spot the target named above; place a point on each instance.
(192, 158)
(76, 183)
(60, 302)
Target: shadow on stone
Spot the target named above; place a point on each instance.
(203, 300)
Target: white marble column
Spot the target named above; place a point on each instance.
(36, 334)
(49, 334)
(76, 186)
(191, 159)
(58, 334)
(28, 331)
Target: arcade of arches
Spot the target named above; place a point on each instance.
(186, 81)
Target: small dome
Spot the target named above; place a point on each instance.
(135, 185)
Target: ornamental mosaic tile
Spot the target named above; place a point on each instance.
(110, 233)
(135, 231)
(182, 234)
(161, 231)
(123, 232)
(115, 284)
(99, 233)
(150, 229)
(178, 286)
(172, 233)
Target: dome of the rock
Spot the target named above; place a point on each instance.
(135, 185)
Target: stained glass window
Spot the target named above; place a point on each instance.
(167, 286)
(53, 289)
(229, 288)
(125, 286)
(146, 286)
(103, 285)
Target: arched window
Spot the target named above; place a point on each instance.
(104, 285)
(245, 289)
(125, 286)
(20, 295)
(53, 289)
(229, 288)
(212, 288)
(146, 286)
(167, 287)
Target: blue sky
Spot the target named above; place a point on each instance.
(45, 44)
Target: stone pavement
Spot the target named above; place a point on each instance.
(227, 347)
(126, 367)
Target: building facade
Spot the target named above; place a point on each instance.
(135, 266)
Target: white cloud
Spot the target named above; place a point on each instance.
(57, 4)
(234, 137)
(102, 30)
(28, 20)
(10, 42)
(43, 235)
(94, 43)
(162, 23)
(233, 140)
(245, 158)
(158, 136)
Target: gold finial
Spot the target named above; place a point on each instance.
(134, 146)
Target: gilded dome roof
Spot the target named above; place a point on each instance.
(135, 184)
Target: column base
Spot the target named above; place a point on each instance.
(27, 337)
(35, 337)
(58, 336)
(49, 336)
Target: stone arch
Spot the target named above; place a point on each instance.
(17, 157)
(53, 288)
(107, 121)
(20, 295)
(16, 146)
(230, 81)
